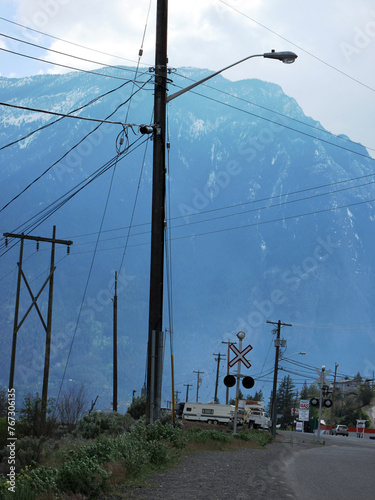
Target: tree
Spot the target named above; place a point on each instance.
(138, 407)
(71, 406)
(304, 394)
(285, 399)
(32, 421)
(3, 401)
(365, 394)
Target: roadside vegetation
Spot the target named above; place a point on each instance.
(100, 452)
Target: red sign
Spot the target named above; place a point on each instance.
(240, 356)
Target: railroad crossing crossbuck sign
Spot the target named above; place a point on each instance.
(240, 356)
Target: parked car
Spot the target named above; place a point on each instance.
(340, 430)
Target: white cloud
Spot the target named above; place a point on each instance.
(332, 39)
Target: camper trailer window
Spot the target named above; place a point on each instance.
(188, 409)
(207, 412)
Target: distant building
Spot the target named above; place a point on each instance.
(346, 386)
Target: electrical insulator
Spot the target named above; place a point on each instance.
(68, 250)
(140, 52)
(37, 245)
(121, 141)
(6, 242)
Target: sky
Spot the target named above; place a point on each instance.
(333, 79)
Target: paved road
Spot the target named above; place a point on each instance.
(337, 468)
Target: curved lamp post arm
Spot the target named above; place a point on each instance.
(285, 57)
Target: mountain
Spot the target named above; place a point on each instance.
(270, 218)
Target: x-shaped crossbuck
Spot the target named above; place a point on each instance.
(240, 355)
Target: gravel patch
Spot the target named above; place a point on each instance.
(213, 475)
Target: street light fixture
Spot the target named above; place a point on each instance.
(155, 334)
(286, 357)
(285, 57)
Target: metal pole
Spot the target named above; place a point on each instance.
(237, 390)
(158, 209)
(320, 399)
(115, 346)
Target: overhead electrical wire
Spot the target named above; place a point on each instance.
(69, 151)
(89, 275)
(66, 41)
(62, 65)
(119, 152)
(55, 113)
(285, 126)
(92, 101)
(235, 206)
(53, 207)
(63, 53)
(298, 46)
(301, 122)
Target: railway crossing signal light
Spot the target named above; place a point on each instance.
(248, 382)
(230, 380)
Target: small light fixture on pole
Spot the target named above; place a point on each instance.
(286, 357)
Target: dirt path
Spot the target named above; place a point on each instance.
(213, 475)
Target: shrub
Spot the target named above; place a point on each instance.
(28, 451)
(81, 476)
(31, 421)
(138, 407)
(198, 435)
(98, 423)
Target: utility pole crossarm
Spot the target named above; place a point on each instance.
(38, 238)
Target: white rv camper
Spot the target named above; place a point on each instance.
(211, 413)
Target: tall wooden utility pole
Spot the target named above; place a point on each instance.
(47, 327)
(274, 389)
(187, 391)
(218, 359)
(155, 333)
(333, 396)
(114, 404)
(198, 380)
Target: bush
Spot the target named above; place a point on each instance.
(261, 437)
(98, 423)
(198, 435)
(81, 476)
(31, 421)
(3, 432)
(28, 450)
(138, 407)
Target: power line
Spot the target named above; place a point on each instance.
(44, 214)
(320, 129)
(298, 46)
(72, 148)
(284, 126)
(92, 101)
(55, 113)
(61, 53)
(66, 41)
(62, 65)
